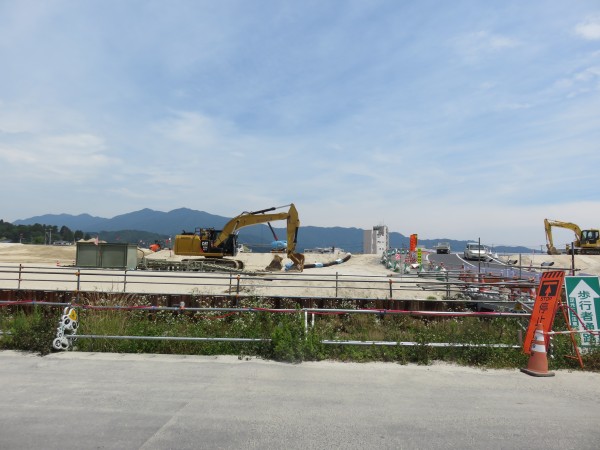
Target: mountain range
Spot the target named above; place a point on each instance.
(169, 224)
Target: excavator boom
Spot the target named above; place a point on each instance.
(206, 242)
(247, 219)
(549, 223)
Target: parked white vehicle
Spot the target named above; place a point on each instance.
(476, 251)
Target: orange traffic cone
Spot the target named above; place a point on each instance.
(538, 362)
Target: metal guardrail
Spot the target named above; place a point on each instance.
(238, 285)
(365, 287)
(124, 281)
(384, 288)
(305, 311)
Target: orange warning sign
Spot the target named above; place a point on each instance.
(413, 242)
(545, 306)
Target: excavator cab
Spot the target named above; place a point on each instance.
(589, 237)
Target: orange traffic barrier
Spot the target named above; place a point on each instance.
(538, 361)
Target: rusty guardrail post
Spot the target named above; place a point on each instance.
(78, 275)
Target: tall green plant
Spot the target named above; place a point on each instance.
(32, 332)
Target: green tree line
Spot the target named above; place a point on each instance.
(38, 233)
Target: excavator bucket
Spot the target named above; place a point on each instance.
(297, 262)
(276, 264)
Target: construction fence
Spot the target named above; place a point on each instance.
(439, 294)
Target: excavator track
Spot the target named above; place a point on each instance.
(193, 265)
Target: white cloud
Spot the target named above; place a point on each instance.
(500, 42)
(589, 28)
(588, 74)
(75, 156)
(20, 119)
(476, 45)
(580, 82)
(13, 156)
(513, 106)
(194, 129)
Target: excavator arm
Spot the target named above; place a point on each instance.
(244, 220)
(257, 217)
(548, 224)
(293, 224)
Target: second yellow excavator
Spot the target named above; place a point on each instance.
(214, 245)
(587, 242)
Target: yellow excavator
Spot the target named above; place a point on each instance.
(587, 242)
(214, 245)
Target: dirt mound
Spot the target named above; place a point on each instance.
(22, 253)
(584, 264)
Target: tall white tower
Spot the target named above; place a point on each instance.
(377, 240)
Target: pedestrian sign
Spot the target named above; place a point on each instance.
(583, 300)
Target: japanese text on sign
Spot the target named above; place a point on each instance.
(583, 299)
(544, 308)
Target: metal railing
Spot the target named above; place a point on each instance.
(290, 285)
(252, 284)
(306, 312)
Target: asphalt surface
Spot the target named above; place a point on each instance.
(113, 401)
(457, 261)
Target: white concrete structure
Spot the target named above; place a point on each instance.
(377, 240)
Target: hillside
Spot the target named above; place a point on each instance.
(258, 237)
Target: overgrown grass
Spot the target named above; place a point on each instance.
(33, 329)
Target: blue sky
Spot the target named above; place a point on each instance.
(461, 119)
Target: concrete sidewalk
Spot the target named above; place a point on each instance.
(91, 400)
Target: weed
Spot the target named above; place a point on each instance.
(33, 332)
(33, 328)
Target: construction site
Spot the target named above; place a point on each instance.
(208, 272)
(52, 269)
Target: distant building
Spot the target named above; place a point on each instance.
(323, 250)
(376, 241)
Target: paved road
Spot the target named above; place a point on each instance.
(456, 261)
(109, 401)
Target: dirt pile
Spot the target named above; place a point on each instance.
(48, 254)
(584, 264)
